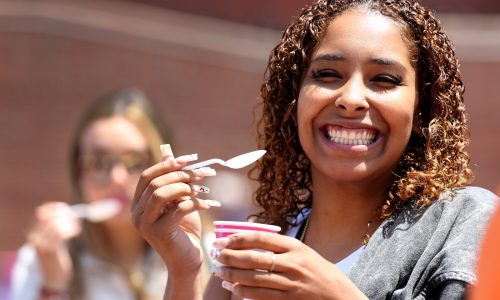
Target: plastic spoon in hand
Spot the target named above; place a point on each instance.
(236, 162)
(97, 211)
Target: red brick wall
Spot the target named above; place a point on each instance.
(278, 13)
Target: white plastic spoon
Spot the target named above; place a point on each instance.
(236, 162)
(97, 211)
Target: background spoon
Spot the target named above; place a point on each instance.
(97, 211)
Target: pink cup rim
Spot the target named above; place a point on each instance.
(246, 226)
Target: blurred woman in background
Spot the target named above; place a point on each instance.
(69, 257)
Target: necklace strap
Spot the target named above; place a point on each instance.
(304, 229)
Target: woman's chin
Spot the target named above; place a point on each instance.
(122, 219)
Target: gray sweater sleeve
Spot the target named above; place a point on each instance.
(431, 251)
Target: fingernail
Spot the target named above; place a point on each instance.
(166, 151)
(228, 285)
(221, 243)
(216, 269)
(187, 158)
(200, 188)
(205, 171)
(214, 253)
(212, 203)
(213, 269)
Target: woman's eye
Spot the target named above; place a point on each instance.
(389, 79)
(325, 75)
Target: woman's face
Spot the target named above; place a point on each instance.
(357, 99)
(114, 152)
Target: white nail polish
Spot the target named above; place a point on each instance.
(187, 158)
(220, 243)
(214, 254)
(228, 285)
(216, 269)
(205, 171)
(213, 203)
(166, 151)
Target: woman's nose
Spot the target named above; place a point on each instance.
(352, 97)
(118, 174)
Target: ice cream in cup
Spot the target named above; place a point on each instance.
(225, 228)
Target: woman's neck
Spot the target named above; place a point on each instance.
(348, 212)
(127, 245)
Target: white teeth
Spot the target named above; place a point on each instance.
(351, 136)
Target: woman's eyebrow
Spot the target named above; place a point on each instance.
(339, 57)
(329, 57)
(387, 62)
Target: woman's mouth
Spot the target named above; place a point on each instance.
(350, 136)
(124, 200)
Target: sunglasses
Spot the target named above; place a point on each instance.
(99, 165)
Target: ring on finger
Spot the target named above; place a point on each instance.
(273, 258)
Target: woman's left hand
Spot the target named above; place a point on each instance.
(285, 269)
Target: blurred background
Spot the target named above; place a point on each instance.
(201, 62)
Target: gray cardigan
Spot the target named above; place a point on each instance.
(426, 254)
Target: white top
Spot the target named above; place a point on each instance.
(344, 264)
(102, 280)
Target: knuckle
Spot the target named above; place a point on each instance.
(155, 184)
(144, 176)
(181, 175)
(157, 195)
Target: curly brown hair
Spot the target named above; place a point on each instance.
(435, 159)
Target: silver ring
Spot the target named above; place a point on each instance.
(272, 263)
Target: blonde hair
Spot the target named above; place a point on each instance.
(133, 105)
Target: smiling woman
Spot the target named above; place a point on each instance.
(366, 170)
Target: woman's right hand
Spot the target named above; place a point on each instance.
(55, 224)
(165, 211)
